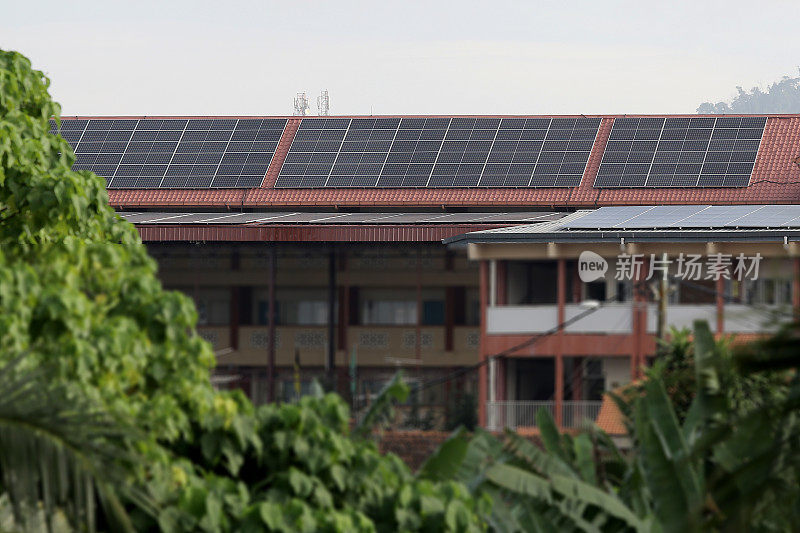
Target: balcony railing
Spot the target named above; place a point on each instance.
(513, 415)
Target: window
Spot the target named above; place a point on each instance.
(294, 307)
(531, 282)
(393, 307)
(766, 291)
(596, 290)
(389, 312)
(433, 312)
(213, 306)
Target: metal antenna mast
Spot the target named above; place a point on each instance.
(300, 104)
(323, 104)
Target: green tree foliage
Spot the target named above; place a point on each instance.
(781, 97)
(79, 296)
(731, 463)
(60, 457)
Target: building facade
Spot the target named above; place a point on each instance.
(557, 333)
(313, 246)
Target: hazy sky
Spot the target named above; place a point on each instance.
(429, 57)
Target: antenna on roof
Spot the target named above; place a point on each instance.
(300, 104)
(323, 104)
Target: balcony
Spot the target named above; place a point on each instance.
(519, 414)
(737, 318)
(376, 346)
(617, 318)
(612, 318)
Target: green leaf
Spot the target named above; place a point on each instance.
(584, 458)
(444, 463)
(394, 391)
(551, 437)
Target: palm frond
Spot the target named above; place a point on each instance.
(59, 454)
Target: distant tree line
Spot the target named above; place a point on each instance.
(781, 97)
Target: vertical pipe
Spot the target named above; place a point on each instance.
(492, 283)
(330, 360)
(344, 302)
(418, 335)
(720, 290)
(233, 326)
(561, 284)
(796, 286)
(273, 267)
(482, 370)
(449, 317)
(663, 295)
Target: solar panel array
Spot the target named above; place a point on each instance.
(681, 152)
(689, 216)
(439, 152)
(174, 153)
(435, 152)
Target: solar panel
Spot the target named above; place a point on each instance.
(689, 216)
(174, 153)
(681, 152)
(439, 152)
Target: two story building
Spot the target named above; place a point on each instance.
(313, 246)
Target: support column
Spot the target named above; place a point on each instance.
(796, 286)
(561, 283)
(273, 268)
(449, 317)
(482, 370)
(418, 336)
(639, 320)
(492, 283)
(330, 358)
(233, 329)
(344, 304)
(720, 301)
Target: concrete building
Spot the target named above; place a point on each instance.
(736, 267)
(317, 242)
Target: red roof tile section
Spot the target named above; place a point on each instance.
(280, 153)
(775, 179)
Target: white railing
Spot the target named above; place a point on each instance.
(500, 415)
(575, 414)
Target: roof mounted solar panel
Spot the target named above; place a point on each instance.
(391, 152)
(688, 216)
(681, 152)
(174, 153)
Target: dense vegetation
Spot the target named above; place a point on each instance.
(781, 97)
(84, 318)
(715, 447)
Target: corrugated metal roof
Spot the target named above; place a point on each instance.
(655, 223)
(333, 218)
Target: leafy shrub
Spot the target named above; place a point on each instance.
(79, 296)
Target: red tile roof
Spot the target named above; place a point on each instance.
(775, 179)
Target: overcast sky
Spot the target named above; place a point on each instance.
(403, 57)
